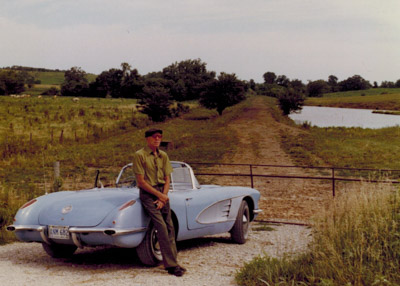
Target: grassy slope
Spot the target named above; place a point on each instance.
(379, 98)
(50, 79)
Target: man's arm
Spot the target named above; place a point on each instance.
(166, 185)
(163, 197)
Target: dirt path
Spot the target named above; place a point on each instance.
(287, 199)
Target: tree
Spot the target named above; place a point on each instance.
(333, 83)
(132, 83)
(117, 83)
(75, 82)
(317, 88)
(11, 82)
(388, 84)
(297, 85)
(282, 80)
(291, 101)
(187, 79)
(155, 100)
(269, 77)
(223, 92)
(355, 82)
(252, 84)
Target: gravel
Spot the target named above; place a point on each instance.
(212, 260)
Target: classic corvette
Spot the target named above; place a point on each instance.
(67, 220)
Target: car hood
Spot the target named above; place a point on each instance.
(84, 208)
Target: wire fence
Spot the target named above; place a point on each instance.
(332, 174)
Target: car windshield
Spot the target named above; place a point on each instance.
(181, 178)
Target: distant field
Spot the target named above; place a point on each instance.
(55, 78)
(379, 98)
(367, 92)
(50, 79)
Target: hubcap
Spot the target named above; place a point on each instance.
(155, 245)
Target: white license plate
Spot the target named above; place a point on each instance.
(58, 232)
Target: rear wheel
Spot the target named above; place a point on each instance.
(148, 250)
(240, 229)
(59, 250)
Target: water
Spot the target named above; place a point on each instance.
(344, 117)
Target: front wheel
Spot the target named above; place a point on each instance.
(148, 250)
(59, 250)
(240, 229)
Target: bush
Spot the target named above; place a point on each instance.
(291, 101)
(51, 91)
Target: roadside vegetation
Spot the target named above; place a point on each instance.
(356, 242)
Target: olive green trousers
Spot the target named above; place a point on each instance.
(162, 222)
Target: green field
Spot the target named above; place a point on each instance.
(50, 79)
(55, 77)
(379, 98)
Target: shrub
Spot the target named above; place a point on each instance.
(356, 242)
(291, 101)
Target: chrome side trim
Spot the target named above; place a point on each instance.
(257, 211)
(114, 231)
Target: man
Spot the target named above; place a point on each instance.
(152, 170)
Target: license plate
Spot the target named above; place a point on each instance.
(58, 232)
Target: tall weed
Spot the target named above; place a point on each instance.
(356, 242)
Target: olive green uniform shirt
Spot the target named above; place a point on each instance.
(154, 167)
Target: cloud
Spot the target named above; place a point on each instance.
(306, 39)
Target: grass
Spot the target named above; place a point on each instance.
(381, 99)
(55, 78)
(356, 242)
(345, 147)
(50, 79)
(366, 92)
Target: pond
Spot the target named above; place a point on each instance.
(344, 117)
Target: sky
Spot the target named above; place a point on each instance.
(301, 39)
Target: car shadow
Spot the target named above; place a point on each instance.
(105, 258)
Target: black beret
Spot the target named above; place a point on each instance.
(151, 132)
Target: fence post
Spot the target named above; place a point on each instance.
(56, 182)
(333, 182)
(251, 176)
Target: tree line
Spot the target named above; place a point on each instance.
(182, 81)
(179, 82)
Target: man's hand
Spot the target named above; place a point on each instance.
(159, 204)
(162, 197)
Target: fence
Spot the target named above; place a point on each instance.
(333, 173)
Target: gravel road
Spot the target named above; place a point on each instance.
(211, 260)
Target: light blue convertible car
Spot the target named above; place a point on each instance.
(67, 220)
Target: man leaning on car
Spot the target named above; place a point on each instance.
(152, 170)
